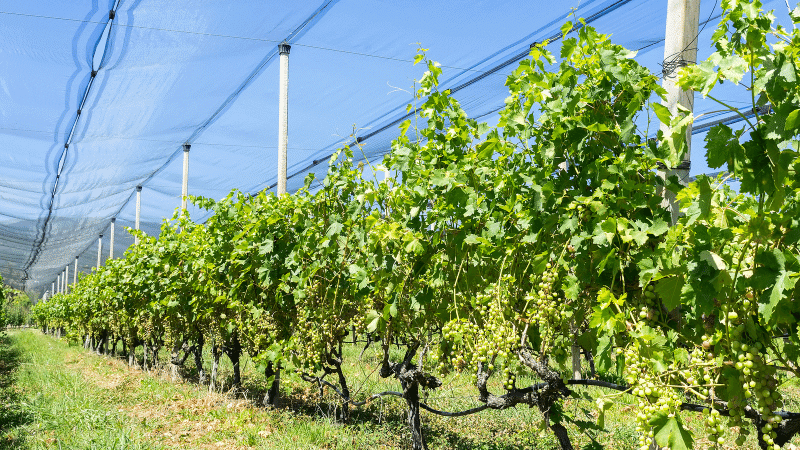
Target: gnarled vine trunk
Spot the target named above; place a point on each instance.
(271, 397)
(198, 359)
(215, 355)
(175, 359)
(411, 396)
(411, 378)
(552, 391)
(144, 357)
(132, 354)
(234, 353)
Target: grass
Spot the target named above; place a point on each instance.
(57, 396)
(49, 405)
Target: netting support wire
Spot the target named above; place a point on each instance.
(138, 211)
(283, 116)
(66, 279)
(482, 74)
(683, 17)
(75, 274)
(99, 250)
(185, 188)
(111, 236)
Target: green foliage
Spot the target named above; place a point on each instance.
(15, 307)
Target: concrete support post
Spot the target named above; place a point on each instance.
(99, 250)
(680, 49)
(111, 236)
(185, 186)
(60, 277)
(53, 289)
(283, 116)
(138, 211)
(66, 279)
(75, 274)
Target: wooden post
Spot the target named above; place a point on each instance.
(283, 116)
(680, 49)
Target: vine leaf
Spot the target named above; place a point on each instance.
(722, 145)
(713, 260)
(772, 277)
(793, 120)
(669, 289)
(670, 432)
(662, 113)
(373, 319)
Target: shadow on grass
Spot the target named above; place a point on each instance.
(390, 415)
(385, 418)
(13, 416)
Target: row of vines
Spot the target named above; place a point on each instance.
(15, 307)
(496, 249)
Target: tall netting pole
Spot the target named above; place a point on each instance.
(75, 274)
(283, 116)
(66, 279)
(185, 188)
(59, 283)
(138, 211)
(99, 250)
(53, 289)
(680, 49)
(111, 236)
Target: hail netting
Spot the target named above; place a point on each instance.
(206, 73)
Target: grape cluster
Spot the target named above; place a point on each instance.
(146, 327)
(716, 429)
(259, 330)
(488, 339)
(757, 381)
(647, 310)
(547, 307)
(653, 397)
(313, 344)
